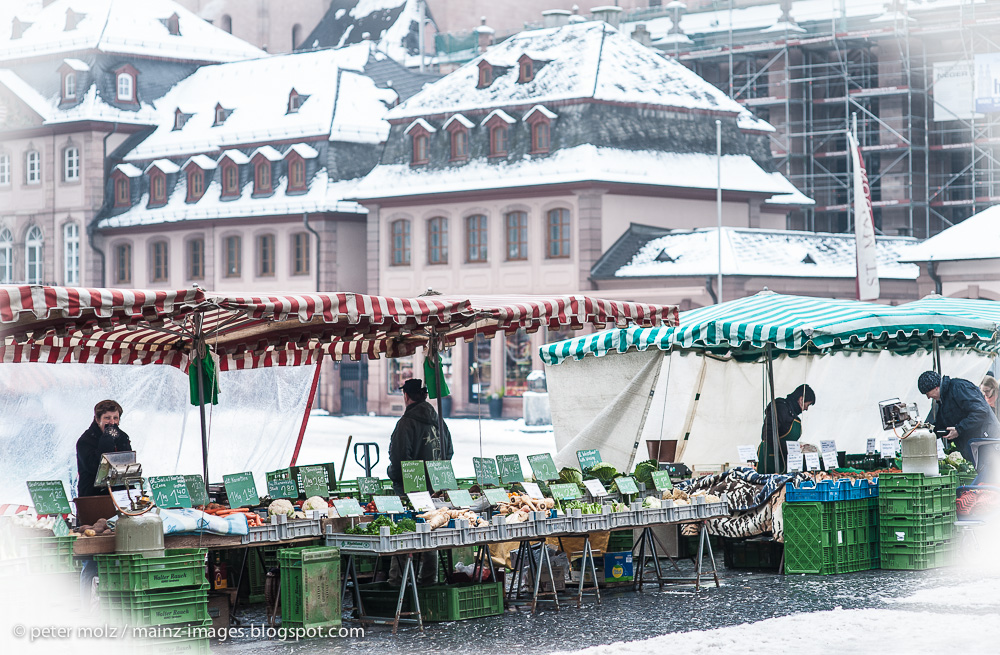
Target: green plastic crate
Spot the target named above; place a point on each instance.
(751, 554)
(310, 586)
(173, 646)
(915, 557)
(620, 540)
(913, 502)
(815, 544)
(181, 567)
(187, 606)
(917, 529)
(437, 602)
(915, 481)
(48, 554)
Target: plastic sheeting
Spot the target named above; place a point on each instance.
(727, 406)
(45, 408)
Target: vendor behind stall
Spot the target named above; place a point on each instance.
(962, 414)
(787, 410)
(103, 436)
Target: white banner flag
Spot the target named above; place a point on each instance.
(864, 227)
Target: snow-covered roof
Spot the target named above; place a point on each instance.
(257, 92)
(321, 196)
(77, 65)
(164, 165)
(757, 252)
(303, 150)
(584, 61)
(420, 123)
(237, 156)
(583, 163)
(461, 119)
(977, 237)
(129, 170)
(27, 94)
(390, 24)
(541, 110)
(204, 162)
(132, 27)
(498, 113)
(268, 153)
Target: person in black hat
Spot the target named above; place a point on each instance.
(416, 437)
(962, 411)
(787, 410)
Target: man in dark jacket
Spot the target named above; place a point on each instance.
(787, 410)
(962, 410)
(416, 437)
(103, 436)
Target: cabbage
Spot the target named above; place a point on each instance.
(644, 471)
(603, 472)
(570, 474)
(652, 501)
(281, 507)
(316, 502)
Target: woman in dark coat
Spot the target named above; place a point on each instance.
(787, 410)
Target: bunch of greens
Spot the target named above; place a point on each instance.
(644, 472)
(601, 471)
(372, 527)
(585, 508)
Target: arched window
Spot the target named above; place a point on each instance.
(526, 69)
(71, 253)
(195, 183)
(401, 242)
(476, 238)
(557, 234)
(485, 74)
(262, 176)
(230, 179)
(296, 173)
(157, 187)
(540, 137)
(33, 167)
(420, 148)
(71, 164)
(437, 240)
(33, 256)
(125, 87)
(459, 144)
(123, 193)
(69, 86)
(226, 23)
(6, 257)
(159, 261)
(123, 263)
(498, 140)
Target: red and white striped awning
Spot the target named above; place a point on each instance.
(116, 326)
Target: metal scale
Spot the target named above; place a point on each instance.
(139, 528)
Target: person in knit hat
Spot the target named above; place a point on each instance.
(962, 413)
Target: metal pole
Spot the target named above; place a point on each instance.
(199, 351)
(718, 197)
(422, 7)
(769, 363)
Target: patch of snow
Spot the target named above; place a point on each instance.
(461, 119)
(747, 121)
(796, 197)
(164, 165)
(129, 170)
(366, 7)
(204, 162)
(339, 13)
(303, 150)
(35, 100)
(977, 237)
(237, 156)
(420, 123)
(752, 252)
(499, 113)
(541, 110)
(581, 163)
(77, 65)
(268, 153)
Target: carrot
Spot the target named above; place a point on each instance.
(227, 512)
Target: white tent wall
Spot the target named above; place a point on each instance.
(45, 408)
(729, 413)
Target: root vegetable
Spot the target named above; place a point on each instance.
(89, 532)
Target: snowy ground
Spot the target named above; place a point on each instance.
(326, 439)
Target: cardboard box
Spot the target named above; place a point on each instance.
(618, 567)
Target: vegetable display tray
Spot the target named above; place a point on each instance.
(182, 567)
(263, 533)
(298, 528)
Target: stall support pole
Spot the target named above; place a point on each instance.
(305, 414)
(199, 352)
(769, 363)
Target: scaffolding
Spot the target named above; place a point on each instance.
(928, 167)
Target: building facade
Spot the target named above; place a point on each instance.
(276, 26)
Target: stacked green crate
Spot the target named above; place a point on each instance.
(310, 587)
(157, 591)
(620, 541)
(827, 537)
(917, 518)
(48, 554)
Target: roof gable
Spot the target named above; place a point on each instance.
(20, 104)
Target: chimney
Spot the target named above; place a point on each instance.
(485, 33)
(556, 17)
(610, 15)
(642, 35)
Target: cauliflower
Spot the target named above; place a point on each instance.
(652, 502)
(955, 459)
(280, 506)
(316, 502)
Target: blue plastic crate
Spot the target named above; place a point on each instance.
(829, 491)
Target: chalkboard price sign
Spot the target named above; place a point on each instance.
(369, 486)
(460, 497)
(510, 468)
(388, 504)
(48, 497)
(314, 481)
(661, 480)
(496, 496)
(421, 501)
(543, 467)
(60, 529)
(442, 475)
(169, 491)
(347, 507)
(566, 491)
(626, 485)
(486, 471)
(241, 490)
(281, 485)
(196, 490)
(414, 478)
(588, 458)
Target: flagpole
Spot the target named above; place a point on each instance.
(852, 211)
(718, 198)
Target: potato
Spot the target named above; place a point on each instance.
(89, 532)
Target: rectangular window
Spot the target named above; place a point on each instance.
(540, 137)
(459, 144)
(400, 370)
(481, 368)
(558, 234)
(71, 253)
(4, 170)
(234, 251)
(517, 235)
(71, 164)
(401, 243)
(265, 255)
(6, 258)
(123, 264)
(498, 141)
(437, 240)
(122, 192)
(300, 254)
(296, 175)
(517, 358)
(159, 257)
(33, 167)
(196, 259)
(475, 238)
(69, 86)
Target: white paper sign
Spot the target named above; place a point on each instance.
(940, 446)
(888, 447)
(828, 446)
(595, 487)
(830, 460)
(812, 461)
(421, 501)
(870, 448)
(794, 456)
(531, 488)
(747, 453)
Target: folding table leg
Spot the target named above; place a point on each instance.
(543, 561)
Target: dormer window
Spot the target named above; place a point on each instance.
(485, 74)
(125, 78)
(498, 122)
(262, 176)
(526, 69)
(174, 25)
(420, 132)
(17, 27)
(195, 183)
(70, 71)
(69, 86)
(230, 179)
(296, 173)
(72, 20)
(180, 118)
(540, 120)
(123, 196)
(221, 114)
(458, 127)
(157, 187)
(295, 101)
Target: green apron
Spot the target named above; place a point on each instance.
(765, 462)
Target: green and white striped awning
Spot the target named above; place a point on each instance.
(794, 325)
(968, 308)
